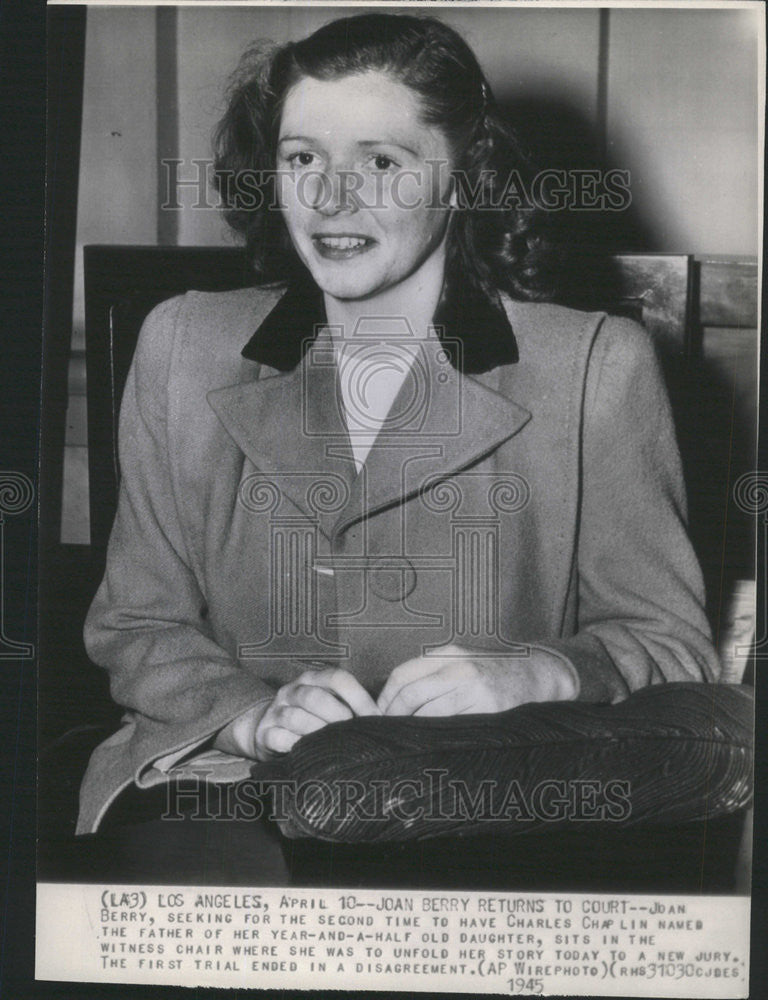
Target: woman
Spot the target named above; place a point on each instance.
(415, 489)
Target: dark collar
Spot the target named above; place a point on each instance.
(475, 331)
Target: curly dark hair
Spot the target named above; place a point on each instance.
(491, 245)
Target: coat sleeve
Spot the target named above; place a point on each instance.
(640, 598)
(147, 624)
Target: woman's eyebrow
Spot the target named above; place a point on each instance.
(367, 143)
(364, 143)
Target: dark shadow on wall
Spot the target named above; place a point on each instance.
(561, 141)
(713, 403)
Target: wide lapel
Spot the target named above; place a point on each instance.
(443, 421)
(291, 427)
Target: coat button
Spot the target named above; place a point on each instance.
(392, 578)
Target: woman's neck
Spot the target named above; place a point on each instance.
(414, 300)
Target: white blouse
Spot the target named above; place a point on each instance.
(371, 373)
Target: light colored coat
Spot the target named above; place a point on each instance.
(540, 503)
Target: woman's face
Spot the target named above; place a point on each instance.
(360, 178)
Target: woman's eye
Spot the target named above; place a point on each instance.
(382, 162)
(301, 159)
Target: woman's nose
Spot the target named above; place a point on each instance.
(335, 192)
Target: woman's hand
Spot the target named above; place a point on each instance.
(305, 705)
(453, 681)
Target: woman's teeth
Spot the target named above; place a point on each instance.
(342, 242)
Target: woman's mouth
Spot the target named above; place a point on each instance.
(343, 246)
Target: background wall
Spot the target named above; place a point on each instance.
(670, 95)
(682, 115)
(117, 196)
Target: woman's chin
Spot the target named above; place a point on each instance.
(347, 286)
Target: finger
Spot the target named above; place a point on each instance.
(321, 703)
(348, 688)
(452, 664)
(298, 720)
(455, 702)
(413, 696)
(278, 740)
(405, 673)
(452, 652)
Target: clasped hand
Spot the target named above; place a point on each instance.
(450, 681)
